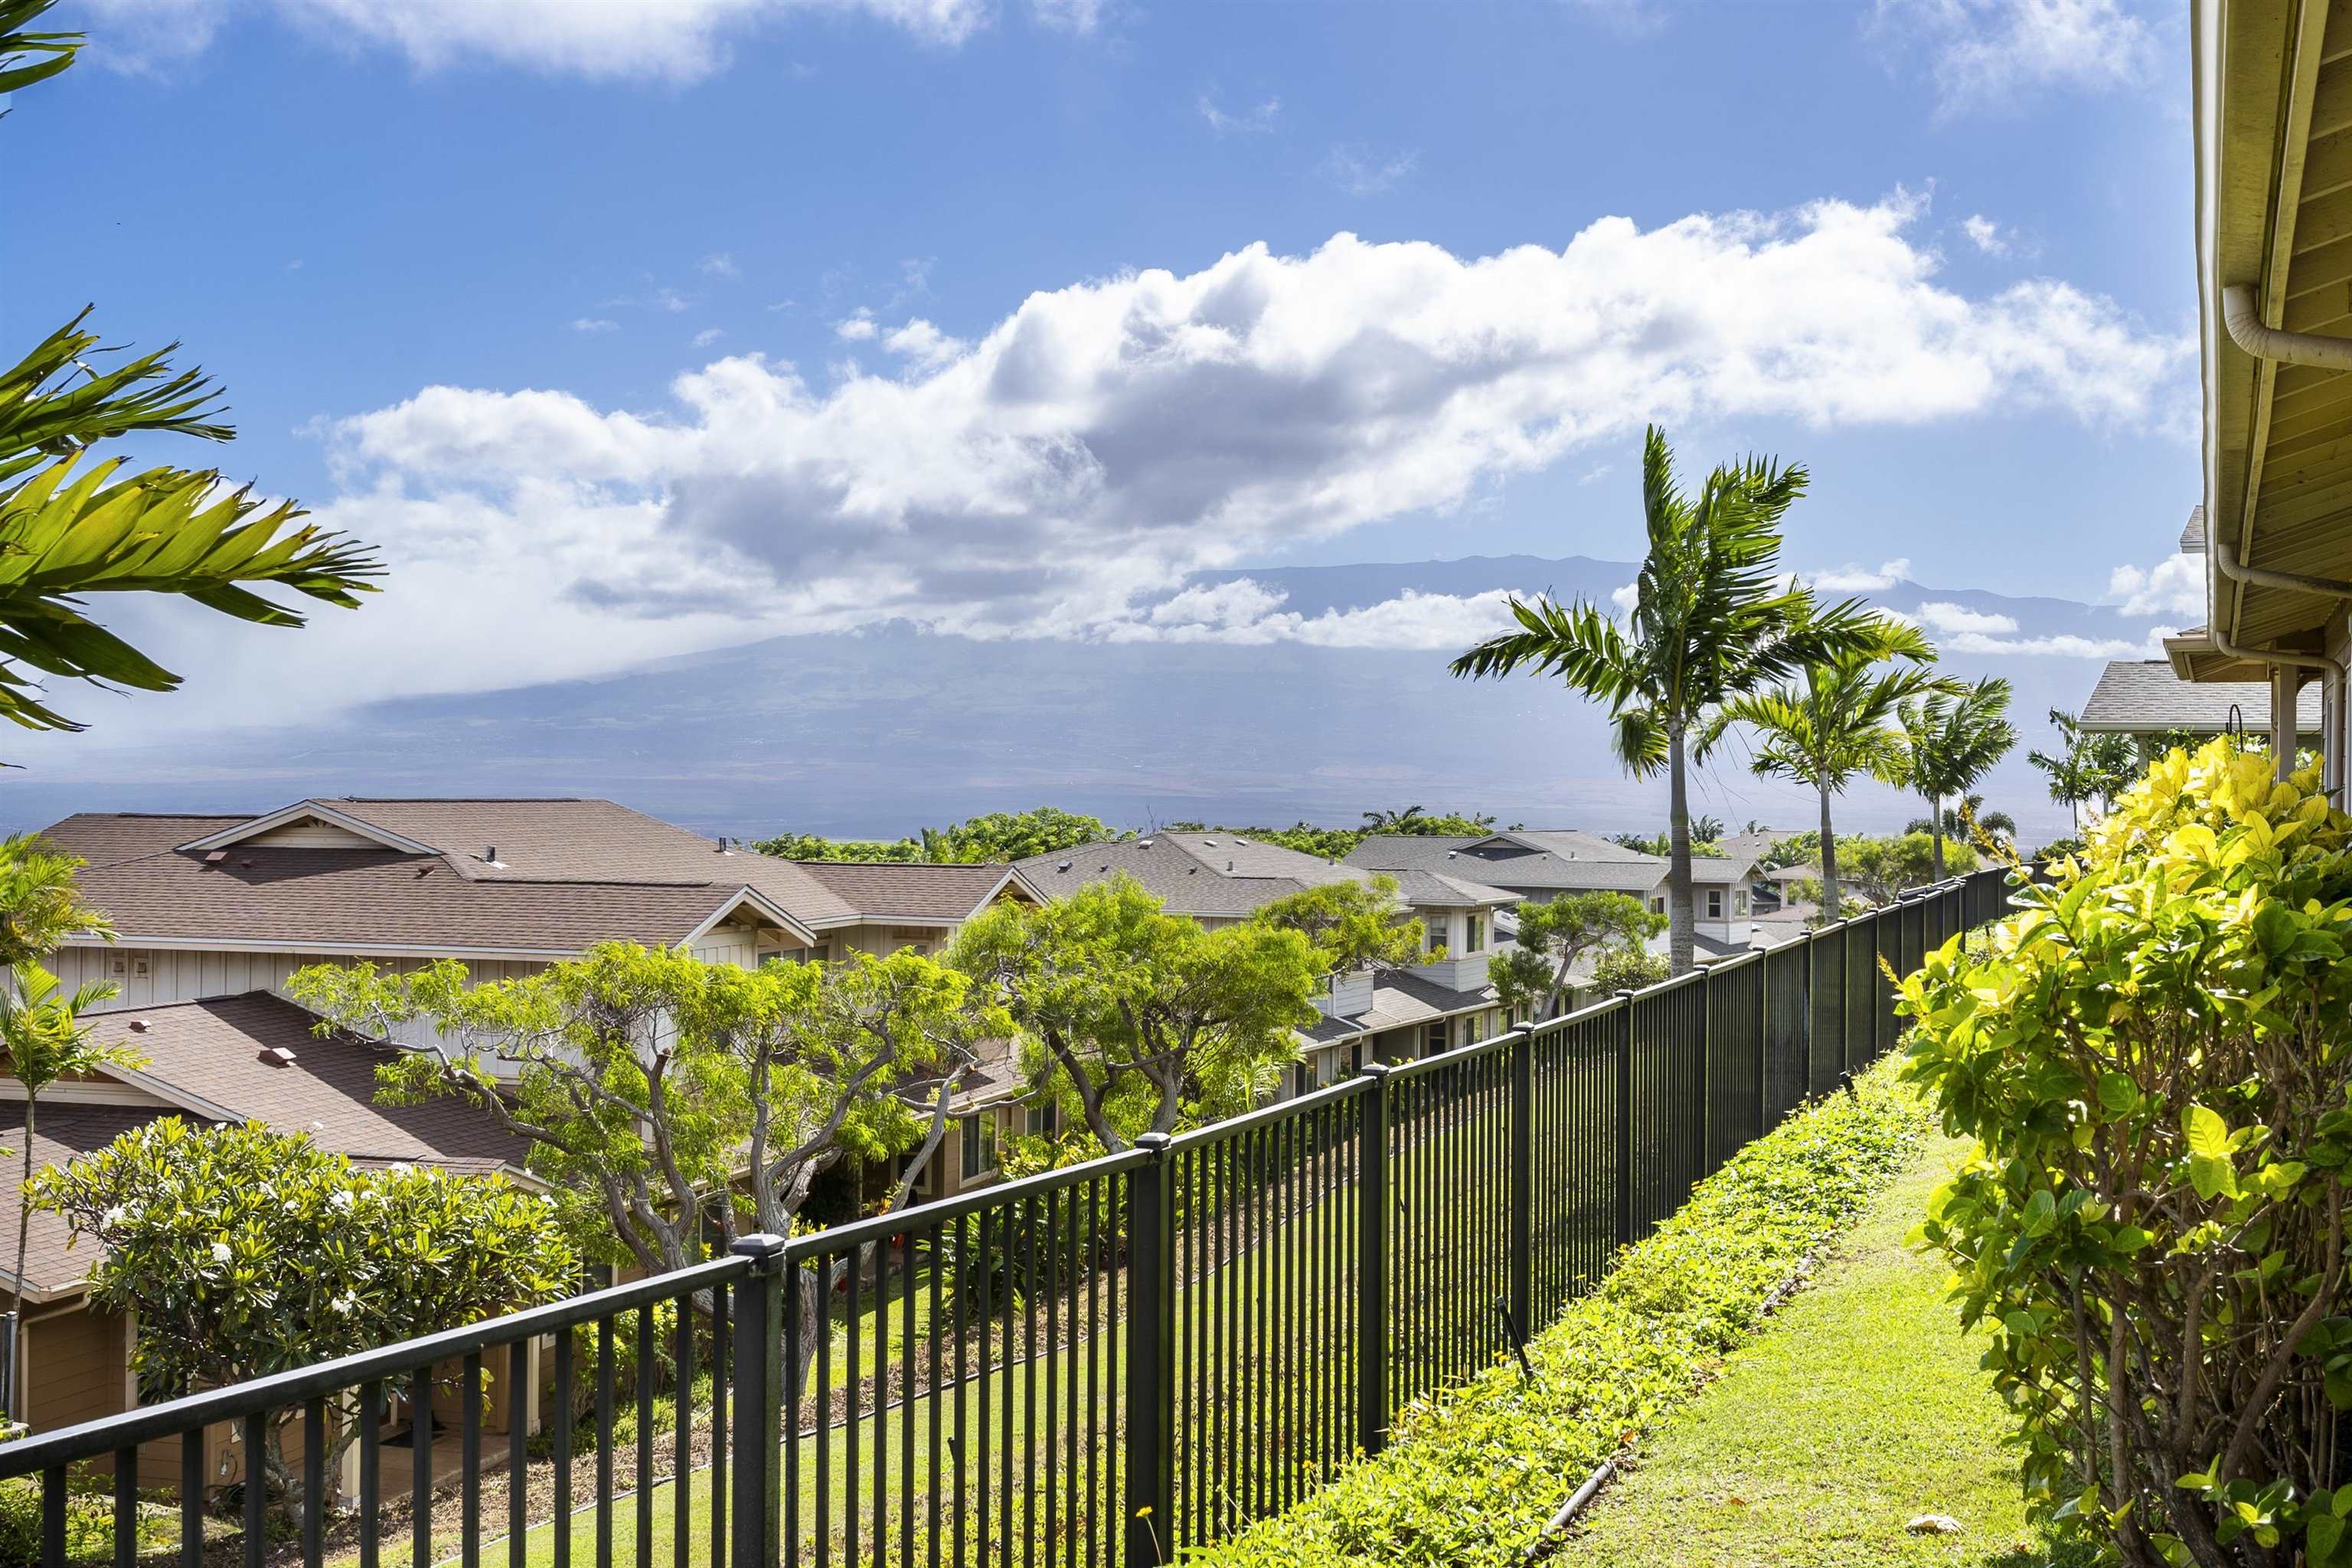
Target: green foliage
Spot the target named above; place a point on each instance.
(1571, 928)
(644, 1079)
(988, 839)
(1662, 844)
(1797, 849)
(44, 1040)
(1955, 734)
(1140, 1019)
(1471, 1477)
(2155, 1054)
(244, 1251)
(1521, 979)
(64, 534)
(1323, 843)
(1630, 969)
(1351, 925)
(2087, 768)
(90, 1519)
(1877, 869)
(40, 900)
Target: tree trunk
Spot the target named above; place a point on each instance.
(1936, 822)
(1681, 917)
(16, 1405)
(1831, 905)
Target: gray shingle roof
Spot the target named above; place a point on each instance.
(909, 893)
(2192, 533)
(1212, 875)
(1526, 862)
(2143, 696)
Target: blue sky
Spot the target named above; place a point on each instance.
(452, 260)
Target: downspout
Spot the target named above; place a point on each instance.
(2225, 560)
(2243, 315)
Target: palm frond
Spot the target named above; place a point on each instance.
(27, 56)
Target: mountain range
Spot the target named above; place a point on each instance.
(881, 731)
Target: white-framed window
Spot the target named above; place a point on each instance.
(1658, 905)
(979, 1144)
(1715, 903)
(1476, 938)
(1040, 1121)
(1739, 900)
(1432, 1039)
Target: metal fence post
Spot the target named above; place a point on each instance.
(1523, 1180)
(758, 1379)
(1150, 1356)
(1628, 1215)
(1763, 1043)
(1704, 1145)
(1373, 1263)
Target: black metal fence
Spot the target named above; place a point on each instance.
(1092, 1368)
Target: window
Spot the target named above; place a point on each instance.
(1715, 903)
(1477, 937)
(1433, 934)
(1739, 900)
(1040, 1121)
(1658, 905)
(979, 1144)
(1302, 1079)
(1432, 1039)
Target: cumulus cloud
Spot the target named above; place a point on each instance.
(678, 39)
(1247, 611)
(2064, 646)
(590, 324)
(1625, 599)
(1949, 617)
(708, 336)
(720, 264)
(1984, 233)
(2173, 586)
(1260, 119)
(859, 327)
(1853, 579)
(1985, 53)
(1064, 471)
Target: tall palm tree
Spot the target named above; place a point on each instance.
(1838, 722)
(1966, 816)
(1714, 617)
(44, 1040)
(1955, 737)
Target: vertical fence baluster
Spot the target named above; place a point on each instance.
(1150, 1354)
(758, 1379)
(126, 1514)
(469, 1463)
(1372, 1327)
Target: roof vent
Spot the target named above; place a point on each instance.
(491, 858)
(138, 1026)
(1209, 843)
(216, 856)
(1454, 854)
(1229, 862)
(1143, 843)
(1063, 866)
(276, 1057)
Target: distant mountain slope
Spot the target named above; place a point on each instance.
(884, 731)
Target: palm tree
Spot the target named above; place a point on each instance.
(2090, 767)
(1714, 618)
(1955, 737)
(68, 531)
(1968, 817)
(40, 901)
(1838, 723)
(44, 1040)
(1393, 821)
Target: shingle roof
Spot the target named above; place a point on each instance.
(1218, 874)
(2192, 533)
(209, 1055)
(1568, 862)
(915, 894)
(2143, 696)
(1435, 889)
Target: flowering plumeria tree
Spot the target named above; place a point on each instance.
(246, 1252)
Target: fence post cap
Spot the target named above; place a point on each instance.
(1153, 1143)
(1375, 1071)
(759, 1244)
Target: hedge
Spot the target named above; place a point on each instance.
(1471, 1476)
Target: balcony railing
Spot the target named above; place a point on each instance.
(1100, 1366)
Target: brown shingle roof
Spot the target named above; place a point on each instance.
(913, 893)
(210, 1052)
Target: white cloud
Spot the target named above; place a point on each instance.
(675, 40)
(1853, 579)
(923, 343)
(1247, 611)
(1595, 474)
(1984, 233)
(1361, 173)
(708, 336)
(1950, 617)
(856, 328)
(1985, 53)
(670, 300)
(1062, 473)
(1079, 16)
(1260, 119)
(2064, 646)
(2174, 586)
(594, 324)
(1625, 598)
(720, 264)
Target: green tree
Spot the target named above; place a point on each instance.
(1968, 819)
(1351, 924)
(1838, 721)
(1521, 979)
(1713, 619)
(1954, 738)
(40, 900)
(644, 1079)
(2086, 766)
(1628, 969)
(42, 1033)
(1568, 927)
(1001, 836)
(1142, 1018)
(69, 530)
(790, 846)
(243, 1251)
(1323, 843)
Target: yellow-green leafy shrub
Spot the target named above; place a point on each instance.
(2155, 1054)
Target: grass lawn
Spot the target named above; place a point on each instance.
(1861, 1408)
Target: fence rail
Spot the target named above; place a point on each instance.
(1095, 1367)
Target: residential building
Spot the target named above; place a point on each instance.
(1221, 879)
